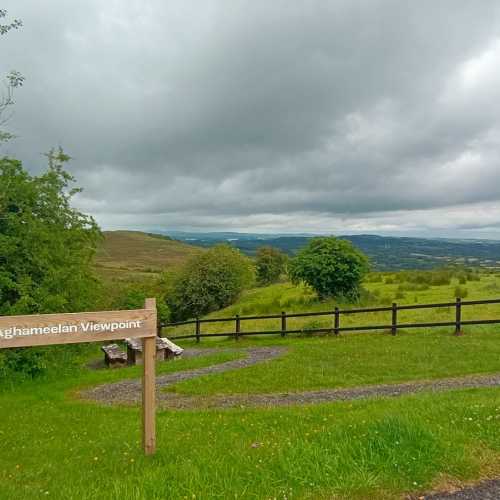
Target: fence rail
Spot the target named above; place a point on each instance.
(336, 315)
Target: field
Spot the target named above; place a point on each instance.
(375, 448)
(126, 256)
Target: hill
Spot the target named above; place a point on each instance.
(133, 255)
(387, 253)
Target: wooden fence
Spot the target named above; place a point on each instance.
(336, 316)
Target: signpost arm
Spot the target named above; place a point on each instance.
(149, 387)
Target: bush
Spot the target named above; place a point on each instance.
(46, 251)
(133, 297)
(461, 292)
(270, 265)
(331, 266)
(210, 282)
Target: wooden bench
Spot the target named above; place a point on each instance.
(114, 357)
(165, 349)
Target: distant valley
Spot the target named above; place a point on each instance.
(386, 253)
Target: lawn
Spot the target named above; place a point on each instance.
(357, 359)
(55, 445)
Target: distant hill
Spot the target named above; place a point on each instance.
(133, 255)
(386, 253)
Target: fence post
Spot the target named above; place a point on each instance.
(336, 323)
(458, 317)
(238, 327)
(198, 330)
(394, 328)
(283, 323)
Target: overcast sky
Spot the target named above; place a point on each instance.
(266, 115)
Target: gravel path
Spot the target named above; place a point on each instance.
(488, 490)
(129, 391)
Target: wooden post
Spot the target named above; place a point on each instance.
(283, 323)
(394, 328)
(336, 324)
(458, 317)
(198, 329)
(149, 387)
(238, 327)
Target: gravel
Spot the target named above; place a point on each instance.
(488, 490)
(129, 391)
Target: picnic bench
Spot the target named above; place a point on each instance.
(114, 356)
(165, 349)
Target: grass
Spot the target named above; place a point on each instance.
(57, 446)
(126, 256)
(354, 360)
(291, 298)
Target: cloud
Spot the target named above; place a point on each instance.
(314, 116)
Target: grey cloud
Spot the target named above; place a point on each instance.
(266, 115)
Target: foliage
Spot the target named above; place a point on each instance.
(210, 282)
(461, 292)
(134, 295)
(270, 265)
(333, 267)
(14, 79)
(46, 248)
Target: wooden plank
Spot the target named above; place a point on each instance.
(458, 316)
(394, 327)
(149, 385)
(70, 328)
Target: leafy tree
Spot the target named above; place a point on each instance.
(133, 297)
(14, 79)
(270, 265)
(211, 281)
(46, 246)
(333, 267)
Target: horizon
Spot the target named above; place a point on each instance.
(272, 234)
(346, 117)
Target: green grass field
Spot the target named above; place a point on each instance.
(55, 445)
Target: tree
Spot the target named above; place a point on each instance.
(134, 295)
(46, 246)
(210, 281)
(14, 80)
(270, 265)
(333, 267)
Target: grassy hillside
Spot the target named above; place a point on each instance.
(381, 289)
(133, 255)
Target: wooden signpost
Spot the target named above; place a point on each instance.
(71, 328)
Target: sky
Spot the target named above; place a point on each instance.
(338, 117)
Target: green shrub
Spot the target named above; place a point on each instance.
(210, 281)
(461, 292)
(270, 265)
(46, 251)
(133, 297)
(332, 267)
